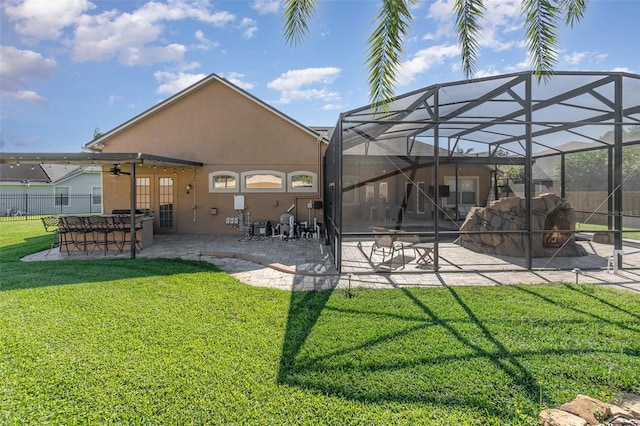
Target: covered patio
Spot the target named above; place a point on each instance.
(435, 157)
(114, 165)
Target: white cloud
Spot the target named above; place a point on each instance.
(574, 58)
(488, 72)
(114, 99)
(130, 36)
(134, 55)
(172, 83)
(28, 96)
(425, 59)
(264, 7)
(295, 79)
(599, 57)
(44, 19)
(205, 43)
(249, 27)
(333, 107)
(500, 19)
(291, 84)
(237, 79)
(17, 67)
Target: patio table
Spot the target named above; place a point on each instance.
(423, 250)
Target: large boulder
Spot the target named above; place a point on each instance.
(500, 228)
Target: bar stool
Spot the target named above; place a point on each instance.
(76, 227)
(53, 225)
(101, 226)
(122, 223)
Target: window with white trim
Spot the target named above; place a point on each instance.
(302, 181)
(96, 195)
(224, 181)
(263, 181)
(61, 195)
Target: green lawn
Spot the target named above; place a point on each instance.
(628, 233)
(178, 342)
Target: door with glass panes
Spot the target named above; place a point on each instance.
(155, 197)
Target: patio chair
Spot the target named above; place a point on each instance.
(101, 228)
(385, 240)
(77, 231)
(53, 225)
(122, 223)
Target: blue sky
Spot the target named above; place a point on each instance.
(71, 66)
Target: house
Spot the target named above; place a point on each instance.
(49, 189)
(256, 162)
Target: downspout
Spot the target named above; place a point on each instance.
(317, 194)
(194, 207)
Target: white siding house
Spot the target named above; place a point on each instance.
(49, 189)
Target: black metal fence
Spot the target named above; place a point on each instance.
(30, 206)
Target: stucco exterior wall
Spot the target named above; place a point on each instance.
(227, 131)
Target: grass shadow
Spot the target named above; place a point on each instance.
(469, 344)
(588, 292)
(580, 310)
(305, 308)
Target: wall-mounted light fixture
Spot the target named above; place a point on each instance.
(188, 188)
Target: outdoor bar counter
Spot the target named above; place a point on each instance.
(107, 232)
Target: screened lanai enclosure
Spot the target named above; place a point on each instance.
(509, 172)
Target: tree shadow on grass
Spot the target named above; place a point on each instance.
(341, 373)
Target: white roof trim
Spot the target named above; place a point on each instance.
(98, 143)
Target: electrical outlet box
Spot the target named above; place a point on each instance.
(238, 202)
(214, 211)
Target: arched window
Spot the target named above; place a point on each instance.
(302, 181)
(263, 181)
(224, 181)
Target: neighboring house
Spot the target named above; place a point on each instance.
(257, 162)
(49, 189)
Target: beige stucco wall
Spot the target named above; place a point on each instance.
(226, 131)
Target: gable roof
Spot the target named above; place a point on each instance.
(101, 139)
(41, 173)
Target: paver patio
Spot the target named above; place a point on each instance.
(308, 265)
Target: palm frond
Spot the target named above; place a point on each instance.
(385, 50)
(468, 14)
(541, 35)
(574, 10)
(297, 14)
